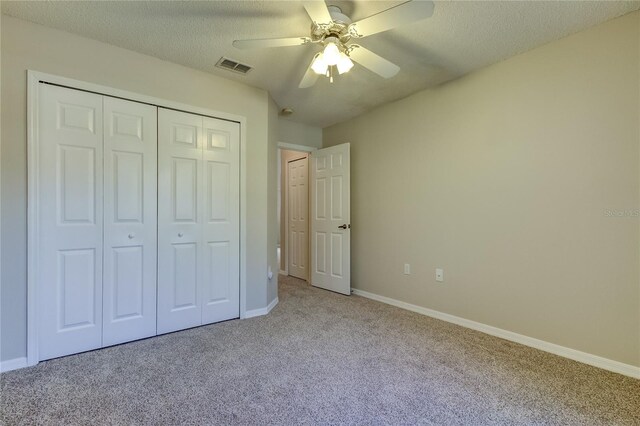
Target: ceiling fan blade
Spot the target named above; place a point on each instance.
(403, 14)
(370, 60)
(317, 11)
(271, 42)
(309, 79)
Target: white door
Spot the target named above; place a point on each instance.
(130, 163)
(198, 220)
(70, 216)
(220, 236)
(298, 213)
(179, 218)
(330, 219)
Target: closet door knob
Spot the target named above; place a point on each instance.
(180, 234)
(131, 235)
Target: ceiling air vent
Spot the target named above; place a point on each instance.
(231, 65)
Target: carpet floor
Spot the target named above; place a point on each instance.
(319, 358)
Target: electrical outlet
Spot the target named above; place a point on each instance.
(407, 269)
(439, 275)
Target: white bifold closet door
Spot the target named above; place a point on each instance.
(96, 215)
(70, 222)
(130, 221)
(198, 220)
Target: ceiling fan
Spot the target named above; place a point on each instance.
(334, 31)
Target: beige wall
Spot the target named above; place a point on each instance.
(299, 134)
(503, 178)
(29, 46)
(272, 197)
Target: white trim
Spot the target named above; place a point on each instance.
(243, 217)
(33, 79)
(132, 96)
(273, 304)
(586, 358)
(261, 311)
(296, 147)
(255, 313)
(33, 169)
(13, 364)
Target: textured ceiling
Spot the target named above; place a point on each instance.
(459, 38)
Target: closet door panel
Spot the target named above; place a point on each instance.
(130, 220)
(69, 258)
(221, 227)
(180, 209)
(184, 264)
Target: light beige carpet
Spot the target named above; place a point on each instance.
(319, 358)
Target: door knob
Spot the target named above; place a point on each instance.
(131, 236)
(343, 226)
(180, 234)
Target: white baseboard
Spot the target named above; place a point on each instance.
(261, 311)
(586, 358)
(13, 364)
(273, 304)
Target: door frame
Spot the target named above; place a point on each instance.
(34, 79)
(284, 194)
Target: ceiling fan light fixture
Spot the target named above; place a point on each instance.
(319, 65)
(331, 54)
(332, 30)
(344, 64)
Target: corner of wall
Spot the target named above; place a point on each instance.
(272, 214)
